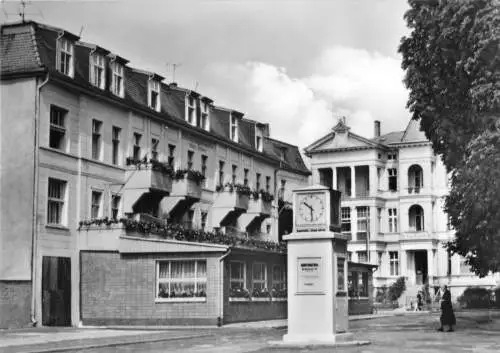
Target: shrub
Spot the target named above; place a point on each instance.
(381, 296)
(475, 297)
(396, 289)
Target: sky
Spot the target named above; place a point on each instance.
(296, 64)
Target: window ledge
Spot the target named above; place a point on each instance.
(279, 299)
(260, 299)
(235, 299)
(57, 226)
(181, 300)
(359, 298)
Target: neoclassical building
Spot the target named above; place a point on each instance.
(125, 199)
(393, 188)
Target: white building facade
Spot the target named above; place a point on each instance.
(393, 190)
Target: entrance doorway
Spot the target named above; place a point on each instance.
(56, 291)
(421, 267)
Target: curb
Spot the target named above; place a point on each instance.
(132, 340)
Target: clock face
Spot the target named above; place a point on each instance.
(311, 208)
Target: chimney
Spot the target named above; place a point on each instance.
(377, 128)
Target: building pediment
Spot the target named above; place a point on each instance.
(340, 140)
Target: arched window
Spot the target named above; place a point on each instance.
(416, 217)
(415, 179)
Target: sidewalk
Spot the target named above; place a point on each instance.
(42, 340)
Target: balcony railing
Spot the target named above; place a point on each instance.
(259, 206)
(148, 175)
(361, 236)
(414, 190)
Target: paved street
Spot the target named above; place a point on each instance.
(411, 333)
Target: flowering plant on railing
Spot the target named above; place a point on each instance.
(177, 232)
(261, 293)
(239, 188)
(193, 175)
(153, 163)
(239, 293)
(98, 222)
(255, 194)
(266, 196)
(279, 293)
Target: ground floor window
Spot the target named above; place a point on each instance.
(181, 279)
(237, 280)
(394, 263)
(259, 280)
(358, 284)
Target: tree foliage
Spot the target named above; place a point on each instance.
(452, 63)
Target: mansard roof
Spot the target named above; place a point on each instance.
(29, 48)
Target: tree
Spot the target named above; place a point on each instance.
(452, 63)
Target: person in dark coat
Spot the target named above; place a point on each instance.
(420, 302)
(447, 314)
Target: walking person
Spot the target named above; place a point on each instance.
(447, 314)
(420, 302)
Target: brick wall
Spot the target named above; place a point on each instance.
(120, 290)
(15, 304)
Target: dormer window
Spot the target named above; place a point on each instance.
(97, 71)
(65, 57)
(259, 143)
(191, 110)
(154, 94)
(234, 128)
(117, 79)
(204, 122)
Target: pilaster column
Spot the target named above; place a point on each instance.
(373, 182)
(334, 178)
(430, 265)
(353, 181)
(315, 176)
(403, 263)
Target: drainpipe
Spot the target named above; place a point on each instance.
(34, 235)
(221, 300)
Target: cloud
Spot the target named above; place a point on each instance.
(355, 83)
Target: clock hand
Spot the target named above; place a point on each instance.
(307, 205)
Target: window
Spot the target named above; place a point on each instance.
(203, 222)
(245, 177)
(95, 207)
(340, 274)
(204, 116)
(259, 277)
(190, 157)
(449, 226)
(279, 277)
(182, 280)
(171, 155)
(154, 95)
(393, 220)
(234, 128)
(189, 221)
(282, 189)
(65, 57)
(257, 181)
(191, 110)
(268, 229)
(345, 213)
(362, 256)
(115, 206)
(137, 146)
(98, 71)
(57, 128)
(394, 263)
(448, 262)
(268, 184)
(204, 160)
(154, 149)
(259, 143)
(237, 275)
(117, 79)
(363, 219)
(233, 176)
(349, 255)
(116, 145)
(221, 173)
(96, 139)
(393, 179)
(416, 215)
(358, 284)
(464, 268)
(55, 201)
(392, 156)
